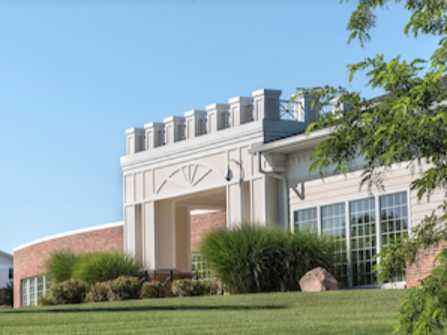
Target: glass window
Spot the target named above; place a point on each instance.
(33, 290)
(333, 219)
(393, 216)
(362, 219)
(200, 267)
(306, 219)
(24, 290)
(40, 289)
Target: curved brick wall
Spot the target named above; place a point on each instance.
(29, 261)
(425, 262)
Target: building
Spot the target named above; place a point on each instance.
(30, 280)
(251, 157)
(246, 160)
(30, 260)
(6, 269)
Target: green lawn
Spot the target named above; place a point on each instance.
(339, 312)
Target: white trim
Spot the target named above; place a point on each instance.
(69, 233)
(291, 143)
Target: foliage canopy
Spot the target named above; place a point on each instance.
(407, 124)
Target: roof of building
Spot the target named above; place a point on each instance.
(291, 143)
(72, 232)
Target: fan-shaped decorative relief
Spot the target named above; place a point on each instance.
(186, 176)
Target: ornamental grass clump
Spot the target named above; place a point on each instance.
(252, 258)
(103, 266)
(61, 264)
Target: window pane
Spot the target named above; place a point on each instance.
(306, 219)
(333, 224)
(362, 220)
(24, 290)
(32, 292)
(393, 219)
(40, 289)
(393, 216)
(200, 267)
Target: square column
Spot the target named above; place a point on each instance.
(154, 135)
(134, 140)
(195, 123)
(174, 129)
(266, 104)
(241, 110)
(133, 234)
(218, 117)
(150, 240)
(166, 234)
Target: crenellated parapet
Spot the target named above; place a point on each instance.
(262, 105)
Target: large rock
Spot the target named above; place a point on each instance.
(318, 280)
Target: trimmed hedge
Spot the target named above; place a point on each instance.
(154, 289)
(193, 287)
(121, 288)
(125, 287)
(252, 258)
(67, 292)
(99, 292)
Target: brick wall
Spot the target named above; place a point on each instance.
(31, 261)
(425, 262)
(202, 223)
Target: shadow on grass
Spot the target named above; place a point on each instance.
(146, 308)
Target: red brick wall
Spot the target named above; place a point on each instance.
(425, 262)
(202, 223)
(30, 261)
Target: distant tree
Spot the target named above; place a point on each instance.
(408, 123)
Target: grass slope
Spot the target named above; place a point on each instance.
(338, 312)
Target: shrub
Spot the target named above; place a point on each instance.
(211, 287)
(193, 287)
(47, 301)
(392, 262)
(99, 292)
(103, 266)
(424, 310)
(182, 287)
(253, 258)
(68, 292)
(60, 265)
(125, 287)
(307, 250)
(8, 298)
(154, 289)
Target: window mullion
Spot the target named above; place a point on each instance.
(348, 244)
(319, 229)
(378, 227)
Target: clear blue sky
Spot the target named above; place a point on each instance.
(73, 77)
